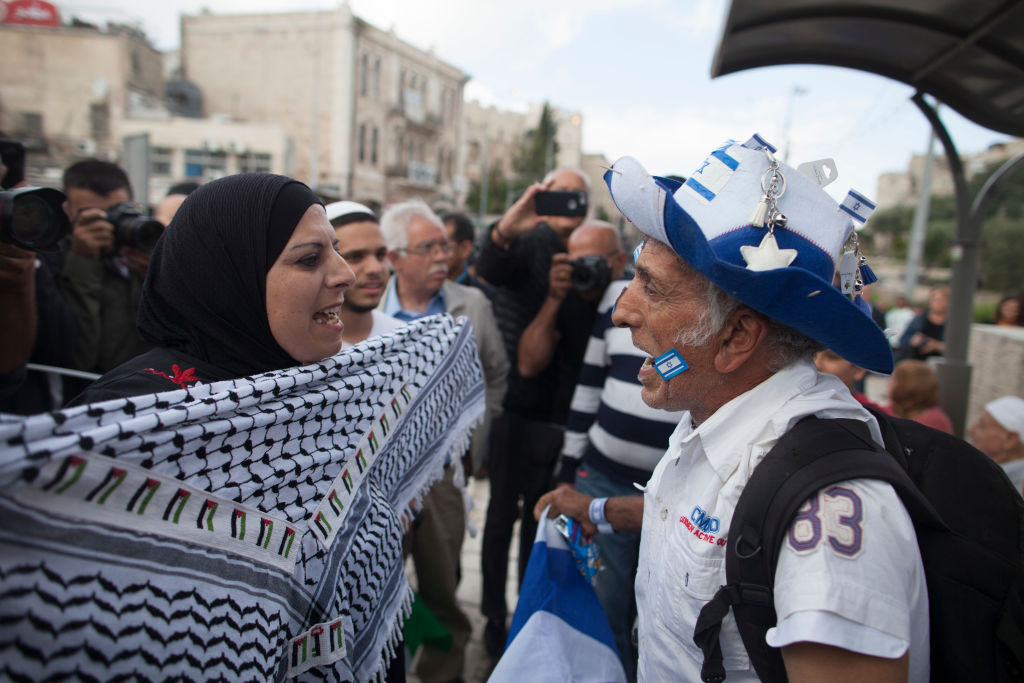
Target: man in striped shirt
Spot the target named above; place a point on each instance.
(612, 440)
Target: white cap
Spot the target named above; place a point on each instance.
(341, 209)
(1008, 411)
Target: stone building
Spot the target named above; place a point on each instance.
(66, 91)
(901, 188)
(370, 117)
(71, 93)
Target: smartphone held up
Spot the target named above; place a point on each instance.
(561, 203)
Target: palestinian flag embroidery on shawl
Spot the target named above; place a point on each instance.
(240, 530)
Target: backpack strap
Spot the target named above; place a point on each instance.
(812, 455)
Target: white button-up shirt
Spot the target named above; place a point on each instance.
(848, 575)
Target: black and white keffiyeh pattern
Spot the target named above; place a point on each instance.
(243, 530)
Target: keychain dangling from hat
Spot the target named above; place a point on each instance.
(767, 255)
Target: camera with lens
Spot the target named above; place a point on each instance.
(32, 218)
(133, 228)
(590, 272)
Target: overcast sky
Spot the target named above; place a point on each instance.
(637, 70)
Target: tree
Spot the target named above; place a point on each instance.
(497, 193)
(1002, 232)
(539, 149)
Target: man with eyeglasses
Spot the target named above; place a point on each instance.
(418, 250)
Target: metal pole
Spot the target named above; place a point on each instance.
(953, 369)
(920, 223)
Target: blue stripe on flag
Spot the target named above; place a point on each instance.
(725, 159)
(858, 206)
(700, 189)
(559, 631)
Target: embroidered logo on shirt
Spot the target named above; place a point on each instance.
(182, 379)
(703, 526)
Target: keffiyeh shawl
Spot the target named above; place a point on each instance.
(244, 529)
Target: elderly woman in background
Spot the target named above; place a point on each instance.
(914, 394)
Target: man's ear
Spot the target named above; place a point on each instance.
(739, 339)
(464, 249)
(394, 257)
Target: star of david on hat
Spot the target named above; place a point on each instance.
(767, 234)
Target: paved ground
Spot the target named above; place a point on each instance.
(478, 664)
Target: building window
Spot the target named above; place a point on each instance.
(254, 163)
(362, 142)
(373, 147)
(195, 163)
(31, 125)
(364, 74)
(376, 78)
(216, 164)
(99, 120)
(160, 160)
(201, 163)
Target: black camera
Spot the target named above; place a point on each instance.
(132, 228)
(590, 272)
(33, 218)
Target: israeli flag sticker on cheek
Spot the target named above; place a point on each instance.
(670, 364)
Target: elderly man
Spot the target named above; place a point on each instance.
(419, 250)
(999, 433)
(732, 297)
(361, 244)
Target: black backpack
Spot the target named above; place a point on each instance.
(969, 521)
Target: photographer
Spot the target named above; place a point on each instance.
(37, 324)
(595, 258)
(517, 259)
(104, 271)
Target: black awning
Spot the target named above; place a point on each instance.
(969, 54)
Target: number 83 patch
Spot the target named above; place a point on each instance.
(833, 517)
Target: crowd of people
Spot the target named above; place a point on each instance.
(729, 337)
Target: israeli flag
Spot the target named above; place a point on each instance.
(559, 631)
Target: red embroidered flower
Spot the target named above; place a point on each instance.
(182, 379)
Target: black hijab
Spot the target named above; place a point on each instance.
(205, 292)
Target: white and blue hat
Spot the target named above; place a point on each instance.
(767, 234)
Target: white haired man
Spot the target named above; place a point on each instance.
(999, 433)
(418, 249)
(732, 297)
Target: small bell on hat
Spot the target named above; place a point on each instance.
(767, 255)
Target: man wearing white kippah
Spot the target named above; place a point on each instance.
(999, 433)
(732, 298)
(362, 246)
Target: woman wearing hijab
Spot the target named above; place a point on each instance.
(246, 279)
